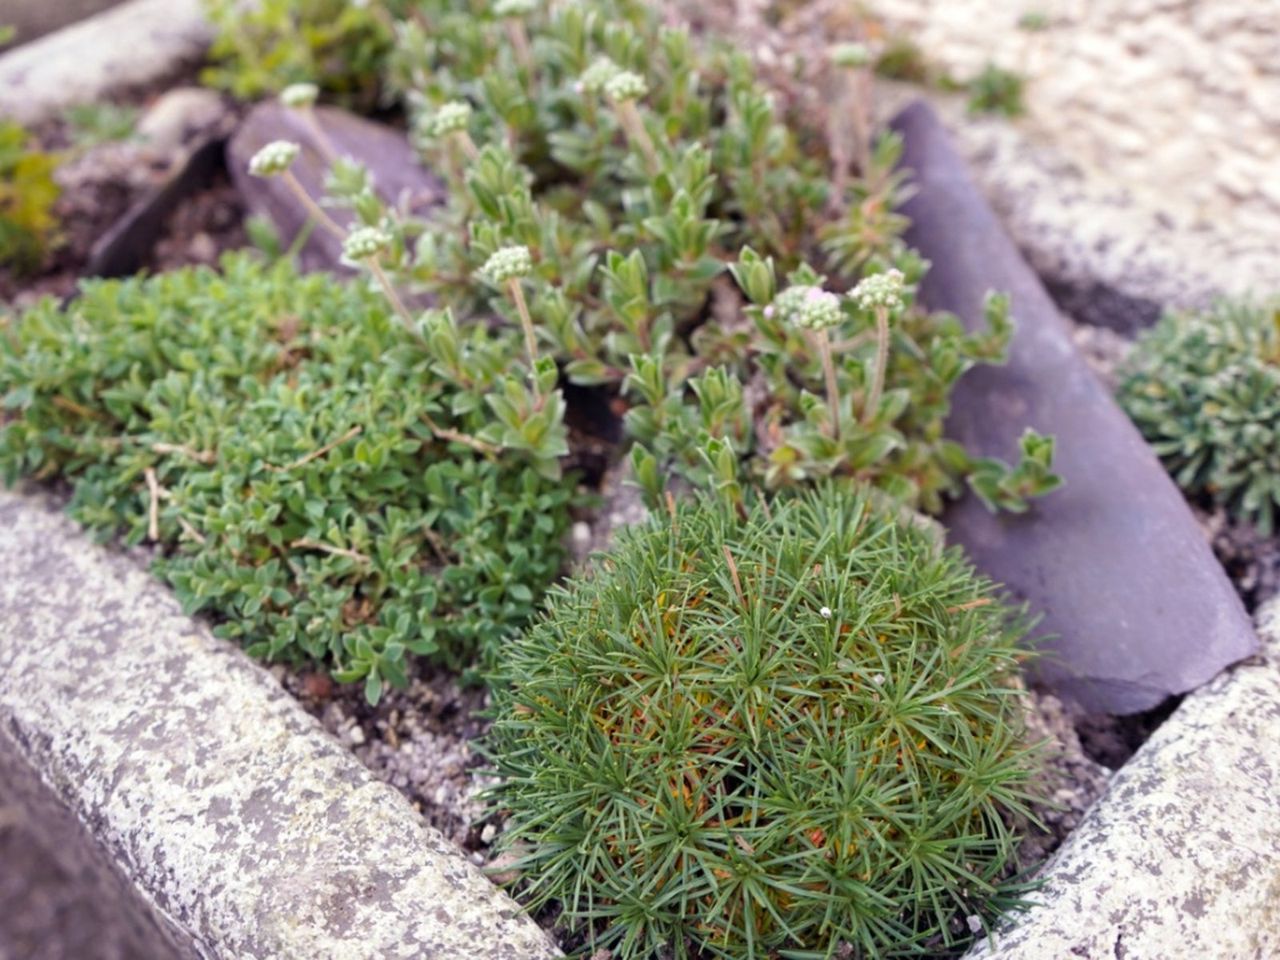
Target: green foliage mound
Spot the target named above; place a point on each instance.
(288, 444)
(769, 735)
(1204, 389)
(264, 46)
(671, 214)
(28, 226)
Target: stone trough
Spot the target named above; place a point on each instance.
(226, 823)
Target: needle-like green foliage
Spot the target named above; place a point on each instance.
(768, 735)
(286, 442)
(1204, 389)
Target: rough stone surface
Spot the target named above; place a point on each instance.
(34, 18)
(1144, 172)
(130, 45)
(1180, 857)
(398, 176)
(1135, 604)
(208, 787)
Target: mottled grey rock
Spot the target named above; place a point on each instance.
(1181, 856)
(131, 45)
(1135, 604)
(397, 173)
(34, 18)
(219, 800)
(181, 114)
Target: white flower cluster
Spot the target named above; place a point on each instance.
(364, 243)
(299, 96)
(273, 159)
(452, 117)
(625, 86)
(514, 8)
(810, 307)
(594, 78)
(507, 264)
(879, 290)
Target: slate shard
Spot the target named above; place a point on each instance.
(398, 176)
(1134, 605)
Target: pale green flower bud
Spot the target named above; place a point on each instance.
(273, 159)
(507, 264)
(879, 290)
(299, 96)
(453, 117)
(818, 310)
(514, 8)
(625, 86)
(594, 78)
(851, 55)
(364, 243)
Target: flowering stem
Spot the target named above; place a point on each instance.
(314, 209)
(530, 340)
(520, 43)
(882, 358)
(633, 124)
(401, 310)
(829, 375)
(468, 146)
(322, 141)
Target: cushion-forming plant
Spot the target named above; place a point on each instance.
(789, 732)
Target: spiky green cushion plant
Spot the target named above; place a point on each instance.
(1204, 389)
(766, 736)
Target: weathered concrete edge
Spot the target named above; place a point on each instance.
(1181, 855)
(216, 796)
(133, 44)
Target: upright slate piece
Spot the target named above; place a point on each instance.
(1136, 606)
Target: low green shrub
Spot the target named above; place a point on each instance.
(671, 216)
(767, 734)
(28, 225)
(1204, 389)
(997, 90)
(265, 46)
(289, 445)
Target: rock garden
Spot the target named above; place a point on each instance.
(624, 480)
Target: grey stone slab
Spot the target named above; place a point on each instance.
(1181, 856)
(398, 175)
(220, 801)
(131, 45)
(1136, 605)
(34, 18)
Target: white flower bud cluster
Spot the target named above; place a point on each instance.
(596, 76)
(364, 243)
(514, 8)
(879, 290)
(809, 307)
(507, 264)
(625, 86)
(299, 96)
(273, 159)
(452, 117)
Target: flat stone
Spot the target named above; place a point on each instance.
(34, 18)
(398, 175)
(225, 807)
(130, 45)
(179, 115)
(1179, 857)
(1133, 601)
